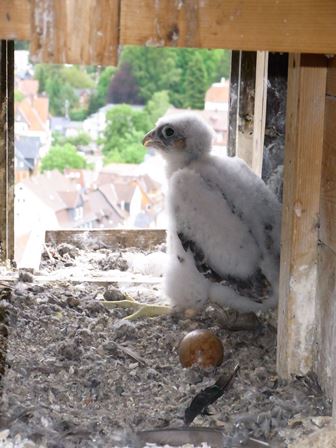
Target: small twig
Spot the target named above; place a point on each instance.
(130, 352)
(6, 285)
(48, 251)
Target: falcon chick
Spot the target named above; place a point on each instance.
(224, 223)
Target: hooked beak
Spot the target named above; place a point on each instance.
(150, 139)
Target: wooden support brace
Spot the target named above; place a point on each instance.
(233, 109)
(117, 238)
(300, 220)
(260, 102)
(7, 151)
(245, 116)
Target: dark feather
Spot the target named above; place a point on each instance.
(208, 396)
(257, 286)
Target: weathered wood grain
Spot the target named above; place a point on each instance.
(245, 118)
(6, 151)
(325, 362)
(233, 102)
(331, 77)
(89, 28)
(301, 202)
(270, 25)
(117, 238)
(260, 101)
(325, 319)
(75, 31)
(15, 19)
(328, 188)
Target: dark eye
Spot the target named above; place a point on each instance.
(167, 131)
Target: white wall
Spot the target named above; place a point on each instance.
(31, 220)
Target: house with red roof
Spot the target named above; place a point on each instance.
(32, 128)
(52, 201)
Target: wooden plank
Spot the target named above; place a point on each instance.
(66, 31)
(244, 138)
(15, 19)
(259, 121)
(56, 277)
(331, 77)
(233, 101)
(326, 304)
(326, 313)
(328, 188)
(302, 180)
(118, 238)
(7, 151)
(270, 25)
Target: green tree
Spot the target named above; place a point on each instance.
(154, 69)
(82, 139)
(18, 96)
(61, 157)
(62, 96)
(42, 73)
(157, 69)
(78, 114)
(77, 78)
(157, 106)
(131, 153)
(196, 83)
(98, 98)
(123, 134)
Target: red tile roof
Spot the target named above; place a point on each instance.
(218, 93)
(28, 86)
(35, 112)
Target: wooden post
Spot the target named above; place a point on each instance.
(233, 102)
(244, 140)
(259, 111)
(300, 220)
(325, 362)
(334, 366)
(7, 150)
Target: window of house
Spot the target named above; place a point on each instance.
(78, 213)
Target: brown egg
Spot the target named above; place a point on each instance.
(201, 347)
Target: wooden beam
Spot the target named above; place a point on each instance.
(67, 31)
(270, 25)
(259, 119)
(15, 19)
(91, 26)
(119, 238)
(7, 151)
(302, 181)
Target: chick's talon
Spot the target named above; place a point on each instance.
(141, 309)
